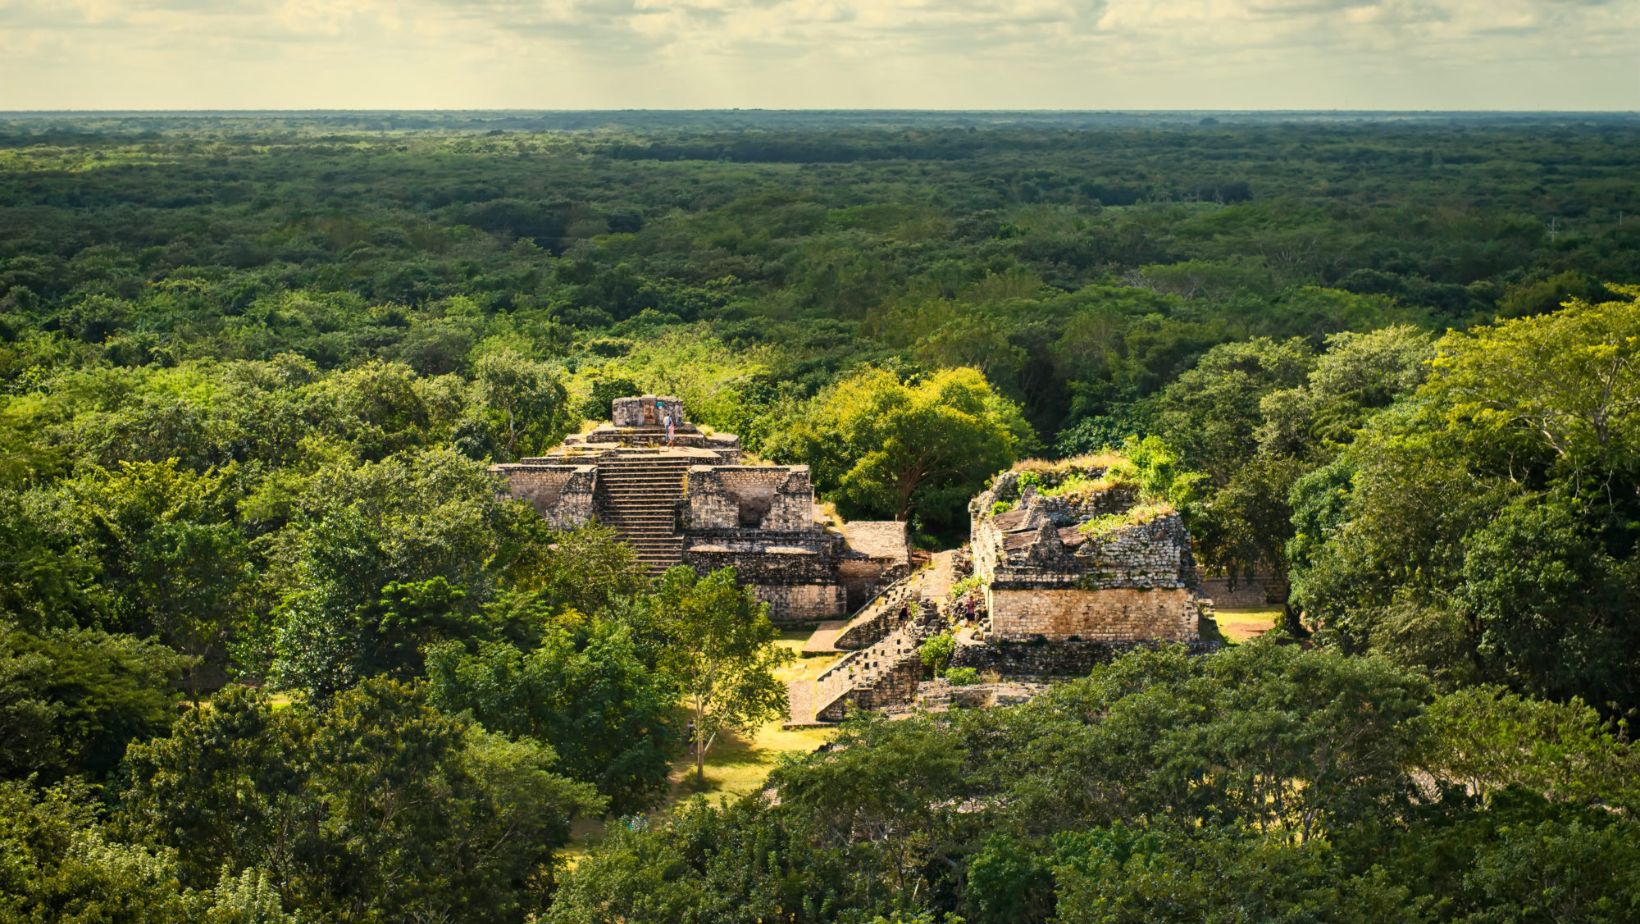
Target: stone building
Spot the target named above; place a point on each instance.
(1073, 570)
(680, 495)
(1071, 554)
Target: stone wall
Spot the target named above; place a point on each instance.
(941, 694)
(896, 686)
(794, 573)
(562, 494)
(1041, 658)
(1111, 614)
(644, 411)
(877, 553)
(882, 676)
(750, 497)
(1151, 554)
(791, 604)
(864, 578)
(766, 556)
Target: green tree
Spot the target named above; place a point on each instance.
(522, 404)
(386, 557)
(590, 569)
(177, 565)
(374, 807)
(1490, 740)
(1211, 412)
(585, 693)
(936, 652)
(1264, 437)
(1487, 522)
(71, 700)
(887, 448)
(720, 652)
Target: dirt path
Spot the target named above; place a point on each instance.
(941, 574)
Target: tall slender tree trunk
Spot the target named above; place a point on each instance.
(700, 746)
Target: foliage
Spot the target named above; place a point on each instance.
(1263, 782)
(586, 694)
(62, 864)
(252, 367)
(384, 558)
(888, 448)
(719, 649)
(70, 700)
(1137, 515)
(1490, 740)
(936, 651)
(1485, 527)
(1278, 429)
(522, 405)
(374, 806)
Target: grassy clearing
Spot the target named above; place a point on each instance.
(1243, 624)
(736, 765)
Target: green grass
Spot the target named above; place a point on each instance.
(1238, 625)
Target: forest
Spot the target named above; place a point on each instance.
(274, 648)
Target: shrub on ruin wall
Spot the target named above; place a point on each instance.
(1137, 515)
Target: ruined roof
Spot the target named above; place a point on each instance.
(877, 539)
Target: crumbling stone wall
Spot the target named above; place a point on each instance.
(750, 497)
(878, 553)
(940, 694)
(562, 494)
(1148, 555)
(1054, 569)
(1111, 614)
(1256, 590)
(895, 686)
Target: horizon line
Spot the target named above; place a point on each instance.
(819, 109)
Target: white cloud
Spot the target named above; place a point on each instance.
(940, 53)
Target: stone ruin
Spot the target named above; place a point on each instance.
(1068, 567)
(681, 495)
(1091, 563)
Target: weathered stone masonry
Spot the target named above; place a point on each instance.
(561, 493)
(1072, 580)
(1048, 575)
(684, 498)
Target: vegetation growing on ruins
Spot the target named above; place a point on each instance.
(273, 647)
(1137, 515)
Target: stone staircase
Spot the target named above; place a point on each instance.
(637, 495)
(881, 674)
(882, 614)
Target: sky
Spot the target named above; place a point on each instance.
(798, 54)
